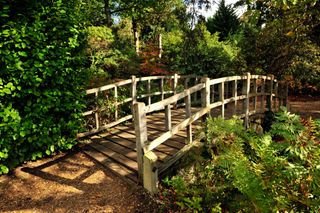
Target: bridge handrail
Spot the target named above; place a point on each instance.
(147, 159)
(134, 97)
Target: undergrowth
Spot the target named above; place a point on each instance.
(240, 170)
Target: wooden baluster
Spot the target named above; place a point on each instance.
(269, 103)
(116, 103)
(149, 92)
(255, 92)
(247, 100)
(175, 85)
(235, 95)
(168, 122)
(140, 127)
(133, 89)
(263, 88)
(161, 89)
(187, 101)
(212, 93)
(276, 98)
(96, 114)
(221, 97)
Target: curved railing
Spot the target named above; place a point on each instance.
(111, 104)
(215, 93)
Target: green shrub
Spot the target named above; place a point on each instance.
(200, 53)
(41, 83)
(242, 171)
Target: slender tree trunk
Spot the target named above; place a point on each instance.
(107, 12)
(160, 45)
(136, 35)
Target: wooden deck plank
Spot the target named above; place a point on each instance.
(162, 149)
(129, 153)
(123, 160)
(112, 165)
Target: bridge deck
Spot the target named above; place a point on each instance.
(116, 147)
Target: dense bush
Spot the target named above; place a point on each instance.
(200, 53)
(41, 83)
(242, 171)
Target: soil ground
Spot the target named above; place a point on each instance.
(72, 182)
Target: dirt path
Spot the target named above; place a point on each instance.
(70, 183)
(74, 183)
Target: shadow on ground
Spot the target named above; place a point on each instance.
(70, 183)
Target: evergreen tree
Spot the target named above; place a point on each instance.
(224, 21)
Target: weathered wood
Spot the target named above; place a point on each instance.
(234, 95)
(116, 103)
(153, 144)
(178, 156)
(173, 99)
(221, 97)
(104, 127)
(149, 91)
(161, 89)
(255, 92)
(124, 161)
(276, 96)
(150, 172)
(263, 87)
(187, 101)
(107, 87)
(133, 90)
(168, 117)
(247, 100)
(270, 93)
(140, 126)
(110, 164)
(96, 114)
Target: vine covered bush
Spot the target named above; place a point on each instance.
(242, 171)
(41, 83)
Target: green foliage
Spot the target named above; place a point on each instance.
(242, 171)
(288, 42)
(199, 52)
(224, 21)
(41, 82)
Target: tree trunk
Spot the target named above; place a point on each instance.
(107, 12)
(160, 45)
(136, 35)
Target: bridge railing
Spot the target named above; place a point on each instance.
(240, 90)
(110, 105)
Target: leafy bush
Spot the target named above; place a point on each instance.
(242, 171)
(200, 53)
(41, 83)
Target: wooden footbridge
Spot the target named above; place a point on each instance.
(140, 127)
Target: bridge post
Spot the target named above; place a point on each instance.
(133, 90)
(150, 172)
(270, 98)
(140, 127)
(247, 100)
(205, 93)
